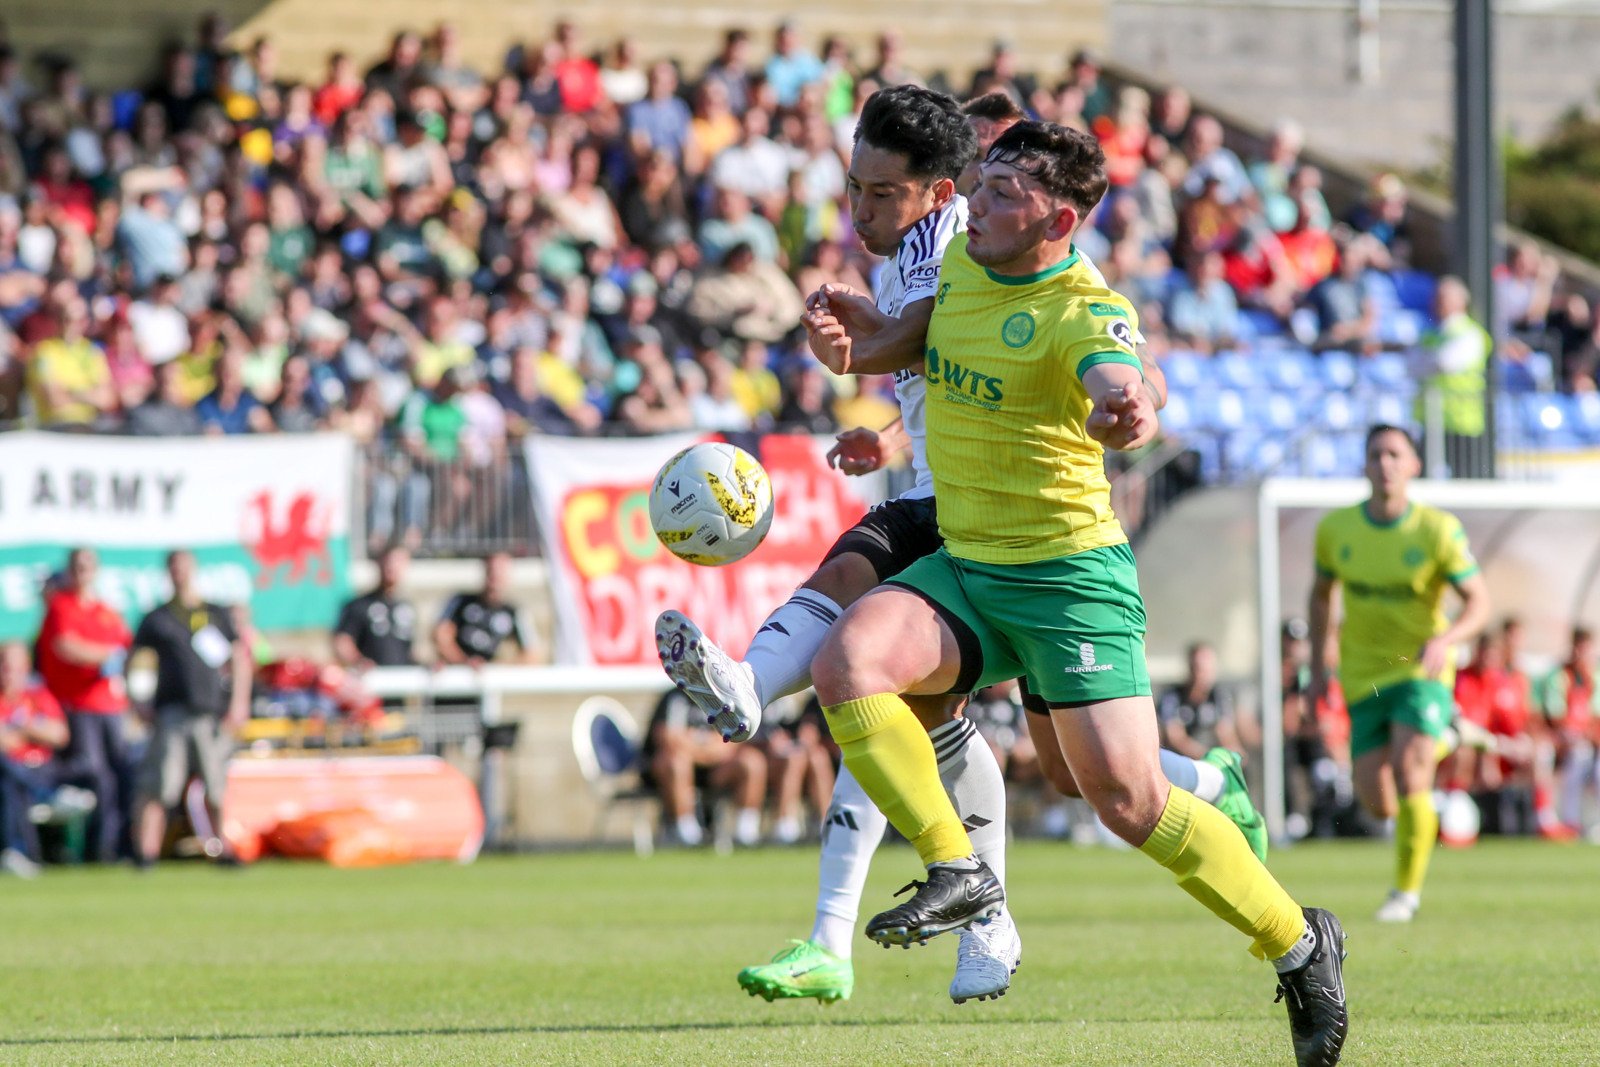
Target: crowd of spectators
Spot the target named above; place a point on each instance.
(439, 260)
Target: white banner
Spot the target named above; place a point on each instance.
(267, 517)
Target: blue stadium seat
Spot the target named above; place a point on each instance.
(1584, 410)
(1290, 369)
(1234, 370)
(1336, 412)
(1184, 370)
(1416, 290)
(1401, 327)
(1386, 369)
(1219, 409)
(1389, 407)
(1532, 375)
(1281, 410)
(1320, 459)
(1338, 368)
(1178, 415)
(1259, 324)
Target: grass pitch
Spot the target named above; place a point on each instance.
(604, 959)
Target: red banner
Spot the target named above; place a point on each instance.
(610, 575)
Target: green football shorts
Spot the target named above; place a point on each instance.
(1425, 706)
(1073, 627)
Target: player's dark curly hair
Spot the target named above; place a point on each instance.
(923, 125)
(1068, 163)
(1379, 428)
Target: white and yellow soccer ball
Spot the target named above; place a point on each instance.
(711, 504)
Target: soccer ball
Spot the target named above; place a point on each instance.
(711, 504)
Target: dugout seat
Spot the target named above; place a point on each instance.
(606, 744)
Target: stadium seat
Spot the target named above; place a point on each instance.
(1584, 410)
(1219, 409)
(1282, 411)
(1258, 324)
(1416, 289)
(1184, 370)
(1338, 368)
(1401, 327)
(1178, 415)
(605, 741)
(1392, 408)
(1290, 369)
(1234, 370)
(1320, 458)
(1534, 374)
(1336, 412)
(1385, 369)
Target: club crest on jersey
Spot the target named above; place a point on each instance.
(1018, 330)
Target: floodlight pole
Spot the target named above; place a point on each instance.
(1477, 182)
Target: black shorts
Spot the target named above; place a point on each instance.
(893, 535)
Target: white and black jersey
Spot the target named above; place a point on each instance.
(912, 274)
(482, 627)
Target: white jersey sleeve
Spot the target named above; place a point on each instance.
(912, 274)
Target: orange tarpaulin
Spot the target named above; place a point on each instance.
(353, 811)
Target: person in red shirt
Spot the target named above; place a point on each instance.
(82, 649)
(577, 75)
(32, 730)
(342, 91)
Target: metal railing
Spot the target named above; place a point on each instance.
(435, 507)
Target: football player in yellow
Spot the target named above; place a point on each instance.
(1031, 370)
(1394, 559)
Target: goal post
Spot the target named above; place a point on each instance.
(1538, 544)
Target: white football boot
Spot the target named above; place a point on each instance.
(986, 956)
(722, 686)
(1398, 908)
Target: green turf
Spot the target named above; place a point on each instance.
(602, 959)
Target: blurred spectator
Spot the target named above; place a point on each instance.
(1308, 247)
(1272, 172)
(153, 244)
(530, 410)
(160, 328)
(791, 67)
(731, 222)
(622, 79)
(68, 375)
(1318, 792)
(1523, 290)
(730, 70)
(1345, 303)
(1199, 714)
(660, 122)
(1210, 161)
(1003, 75)
(378, 629)
(33, 731)
(1385, 215)
(230, 408)
(747, 298)
(800, 767)
(808, 401)
(889, 67)
(1202, 311)
(685, 756)
(202, 698)
(165, 412)
(82, 652)
(1570, 701)
(473, 627)
(754, 164)
(1451, 364)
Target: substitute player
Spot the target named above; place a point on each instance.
(1394, 559)
(1030, 365)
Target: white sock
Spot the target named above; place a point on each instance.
(786, 831)
(780, 653)
(747, 828)
(688, 829)
(1196, 776)
(1297, 956)
(851, 832)
(977, 788)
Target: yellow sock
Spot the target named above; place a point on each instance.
(1214, 865)
(1416, 828)
(889, 753)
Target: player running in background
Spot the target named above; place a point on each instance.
(1031, 365)
(1394, 559)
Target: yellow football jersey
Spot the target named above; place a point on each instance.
(1016, 476)
(1394, 577)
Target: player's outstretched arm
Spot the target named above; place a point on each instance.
(862, 451)
(1124, 413)
(879, 343)
(1321, 613)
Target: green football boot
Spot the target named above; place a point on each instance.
(1235, 801)
(804, 969)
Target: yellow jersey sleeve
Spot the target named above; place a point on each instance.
(1103, 330)
(1454, 555)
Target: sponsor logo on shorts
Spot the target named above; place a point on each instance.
(1086, 661)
